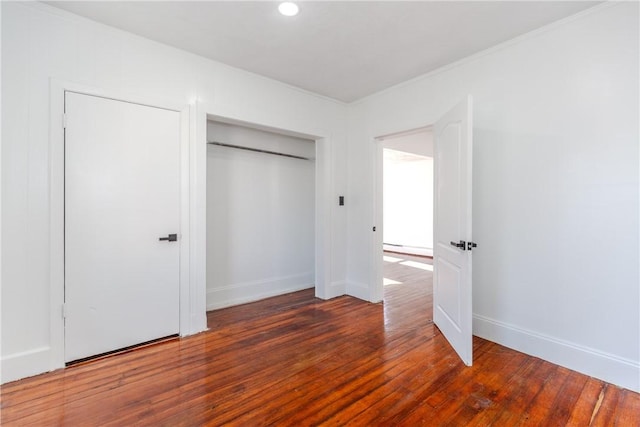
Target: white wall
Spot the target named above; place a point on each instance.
(40, 43)
(408, 199)
(260, 216)
(555, 207)
(408, 191)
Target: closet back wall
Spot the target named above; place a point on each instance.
(260, 216)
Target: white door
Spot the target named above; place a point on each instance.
(452, 311)
(121, 196)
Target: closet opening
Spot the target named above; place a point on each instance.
(261, 238)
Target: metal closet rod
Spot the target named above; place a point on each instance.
(257, 150)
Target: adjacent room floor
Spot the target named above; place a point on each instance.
(295, 360)
(408, 290)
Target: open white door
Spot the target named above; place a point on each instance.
(122, 218)
(452, 307)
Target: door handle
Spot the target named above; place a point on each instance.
(169, 238)
(461, 245)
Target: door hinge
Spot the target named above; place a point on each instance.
(64, 121)
(64, 311)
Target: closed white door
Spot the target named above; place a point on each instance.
(121, 197)
(452, 303)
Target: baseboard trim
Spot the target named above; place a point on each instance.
(336, 289)
(242, 293)
(26, 364)
(409, 250)
(358, 290)
(198, 323)
(607, 367)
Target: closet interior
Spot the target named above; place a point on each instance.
(260, 214)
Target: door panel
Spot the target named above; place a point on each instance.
(448, 301)
(121, 195)
(452, 287)
(449, 179)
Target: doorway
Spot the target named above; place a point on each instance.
(452, 225)
(407, 223)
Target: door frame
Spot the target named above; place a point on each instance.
(192, 276)
(377, 239)
(376, 289)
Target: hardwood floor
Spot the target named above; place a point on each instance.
(296, 360)
(408, 292)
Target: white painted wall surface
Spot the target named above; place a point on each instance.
(40, 43)
(408, 191)
(555, 187)
(408, 199)
(260, 216)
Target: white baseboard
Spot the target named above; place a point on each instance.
(336, 289)
(198, 323)
(408, 250)
(358, 290)
(241, 293)
(25, 364)
(607, 367)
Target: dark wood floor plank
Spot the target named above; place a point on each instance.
(463, 392)
(382, 383)
(565, 401)
(295, 360)
(540, 406)
(515, 395)
(628, 411)
(582, 412)
(605, 413)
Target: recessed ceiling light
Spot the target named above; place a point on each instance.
(288, 8)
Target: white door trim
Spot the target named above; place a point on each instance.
(377, 237)
(192, 258)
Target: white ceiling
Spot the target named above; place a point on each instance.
(344, 50)
(418, 143)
